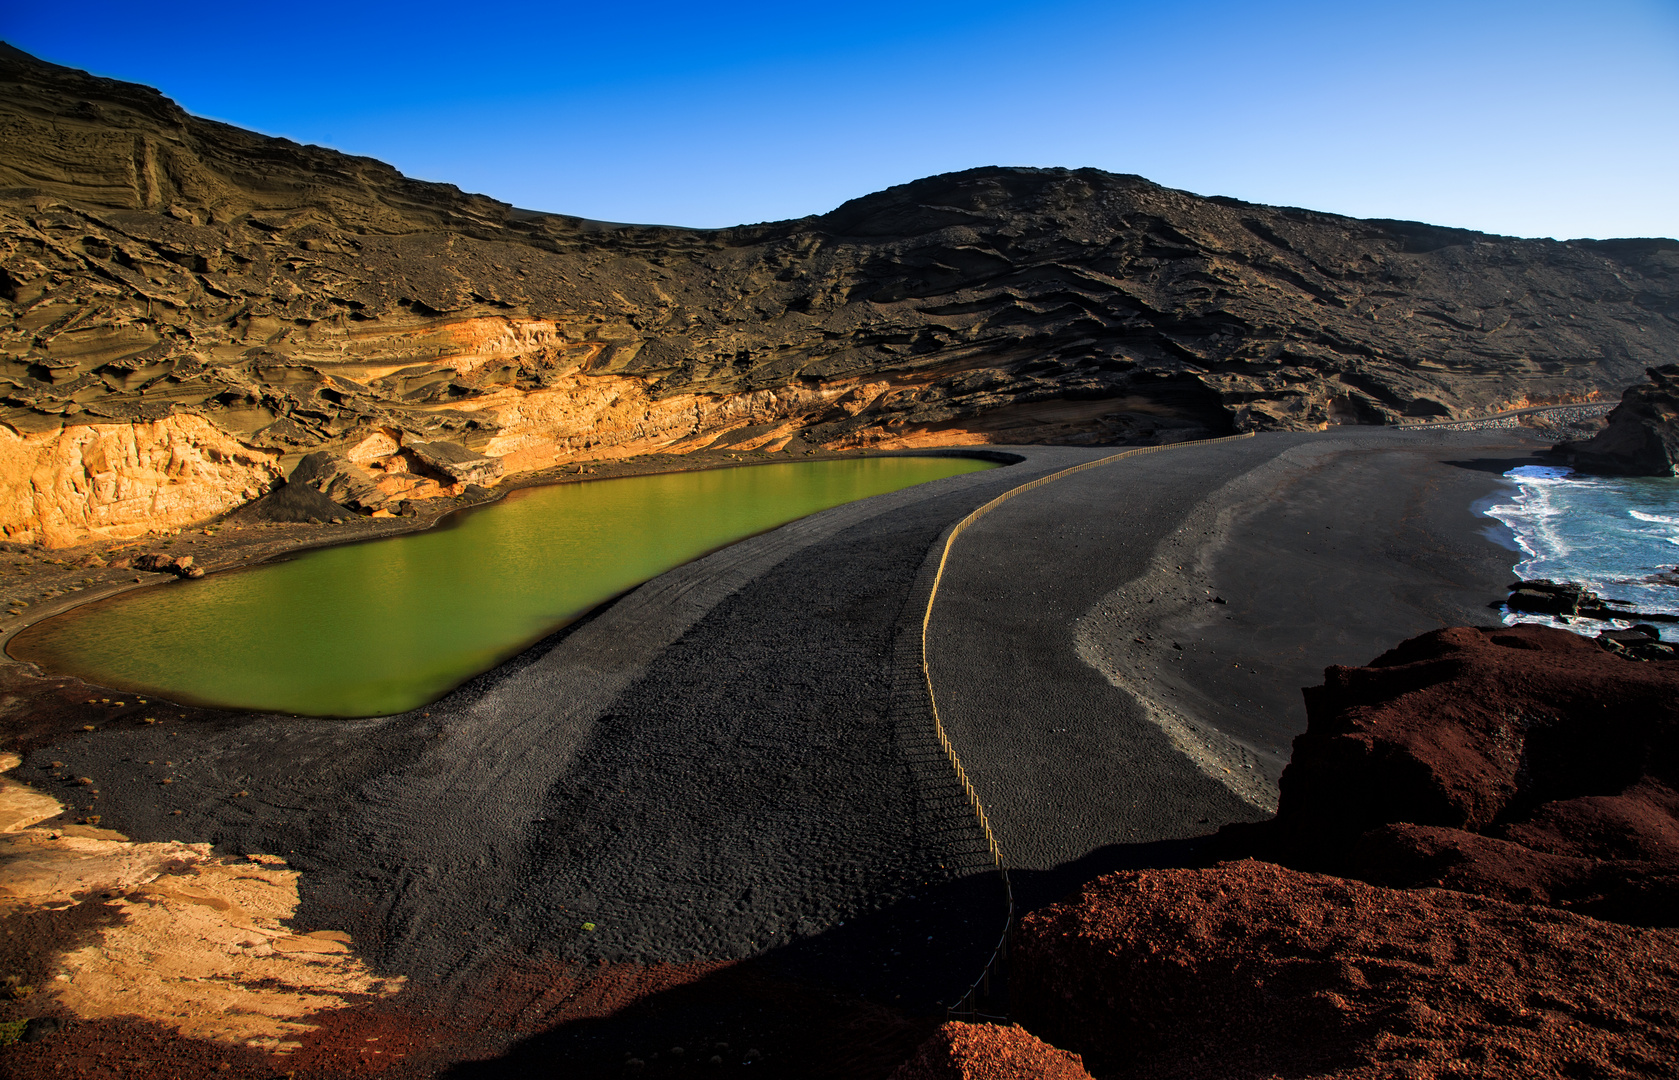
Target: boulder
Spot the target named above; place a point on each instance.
(1642, 437)
(159, 563)
(339, 479)
(456, 462)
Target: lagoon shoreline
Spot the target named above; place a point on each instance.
(58, 580)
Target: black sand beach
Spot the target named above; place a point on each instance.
(1119, 655)
(736, 759)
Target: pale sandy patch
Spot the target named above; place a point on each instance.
(202, 946)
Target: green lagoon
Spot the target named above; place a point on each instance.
(380, 627)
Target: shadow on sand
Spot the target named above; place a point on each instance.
(852, 1002)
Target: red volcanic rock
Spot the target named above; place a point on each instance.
(1457, 727)
(988, 1052)
(1248, 969)
(1525, 763)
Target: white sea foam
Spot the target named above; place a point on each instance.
(1609, 534)
(1539, 473)
(1532, 515)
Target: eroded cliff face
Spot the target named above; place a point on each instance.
(112, 481)
(154, 266)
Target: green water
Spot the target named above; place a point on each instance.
(380, 627)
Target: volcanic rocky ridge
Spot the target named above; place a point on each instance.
(1498, 808)
(186, 308)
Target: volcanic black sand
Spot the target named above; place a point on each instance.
(1211, 582)
(734, 759)
(737, 760)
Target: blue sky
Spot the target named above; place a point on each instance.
(1532, 118)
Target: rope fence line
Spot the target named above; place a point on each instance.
(968, 1006)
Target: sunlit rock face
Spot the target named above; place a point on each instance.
(154, 265)
(113, 481)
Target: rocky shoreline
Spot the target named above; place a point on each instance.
(234, 788)
(519, 1015)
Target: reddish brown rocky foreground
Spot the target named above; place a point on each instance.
(1249, 969)
(1479, 781)
(1523, 763)
(989, 1052)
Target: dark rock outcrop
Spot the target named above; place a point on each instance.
(1572, 600)
(295, 503)
(154, 265)
(1247, 969)
(159, 563)
(1527, 763)
(1642, 437)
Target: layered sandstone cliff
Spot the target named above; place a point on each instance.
(154, 265)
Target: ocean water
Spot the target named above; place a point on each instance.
(1614, 535)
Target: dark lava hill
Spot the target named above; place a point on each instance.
(251, 298)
